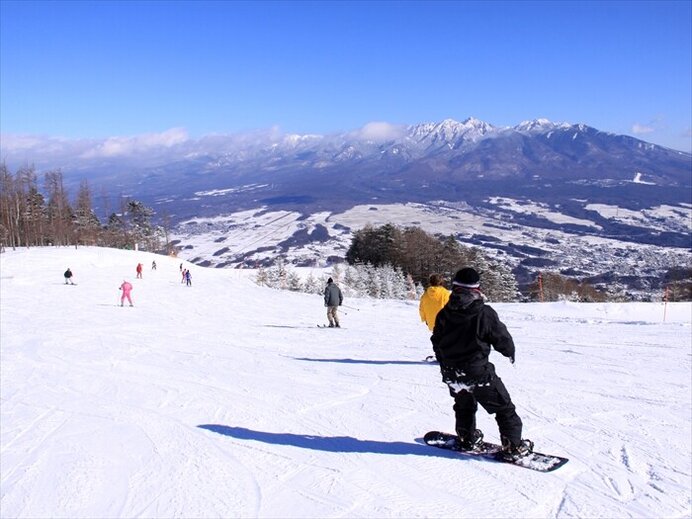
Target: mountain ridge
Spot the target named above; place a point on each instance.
(554, 174)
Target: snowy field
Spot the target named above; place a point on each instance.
(225, 400)
(251, 236)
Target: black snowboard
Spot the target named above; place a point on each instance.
(534, 461)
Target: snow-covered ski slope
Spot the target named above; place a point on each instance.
(225, 400)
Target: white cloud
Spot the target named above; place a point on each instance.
(41, 151)
(640, 129)
(379, 131)
(119, 146)
(19, 142)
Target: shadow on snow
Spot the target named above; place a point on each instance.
(328, 443)
(364, 361)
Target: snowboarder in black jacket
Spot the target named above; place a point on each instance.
(465, 330)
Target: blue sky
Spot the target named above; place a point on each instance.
(102, 69)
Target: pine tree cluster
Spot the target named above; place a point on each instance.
(418, 254)
(390, 263)
(383, 282)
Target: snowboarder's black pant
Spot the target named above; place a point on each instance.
(495, 399)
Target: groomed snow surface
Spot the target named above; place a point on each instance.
(225, 400)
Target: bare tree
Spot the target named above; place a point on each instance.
(556, 287)
(166, 229)
(59, 210)
(9, 208)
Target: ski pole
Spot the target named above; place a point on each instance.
(352, 308)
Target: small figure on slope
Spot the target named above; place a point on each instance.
(126, 288)
(153, 265)
(465, 330)
(68, 276)
(332, 300)
(188, 278)
(139, 270)
(433, 300)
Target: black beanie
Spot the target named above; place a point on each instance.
(330, 280)
(466, 278)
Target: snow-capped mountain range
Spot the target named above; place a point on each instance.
(539, 191)
(379, 159)
(542, 196)
(454, 161)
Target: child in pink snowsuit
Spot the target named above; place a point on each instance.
(126, 288)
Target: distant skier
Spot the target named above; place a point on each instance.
(188, 278)
(433, 300)
(153, 265)
(68, 276)
(126, 288)
(184, 273)
(139, 270)
(465, 329)
(332, 300)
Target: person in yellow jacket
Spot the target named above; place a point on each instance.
(433, 300)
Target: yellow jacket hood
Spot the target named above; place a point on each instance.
(432, 301)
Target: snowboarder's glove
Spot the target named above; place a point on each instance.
(511, 359)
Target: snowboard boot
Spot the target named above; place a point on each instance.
(468, 442)
(514, 452)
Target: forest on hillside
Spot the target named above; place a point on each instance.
(32, 215)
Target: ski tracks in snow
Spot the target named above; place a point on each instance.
(115, 465)
(104, 415)
(197, 471)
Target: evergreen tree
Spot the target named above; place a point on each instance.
(372, 278)
(337, 273)
(350, 277)
(312, 285)
(418, 254)
(85, 220)
(34, 218)
(262, 278)
(139, 216)
(293, 281)
(115, 233)
(376, 246)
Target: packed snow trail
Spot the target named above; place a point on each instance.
(224, 399)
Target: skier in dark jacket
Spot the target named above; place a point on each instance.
(68, 277)
(465, 330)
(332, 300)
